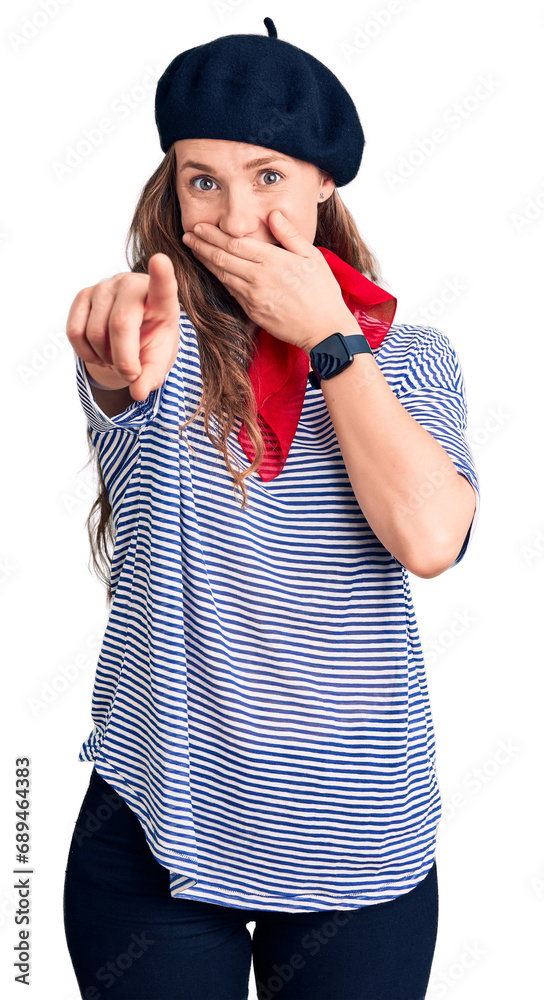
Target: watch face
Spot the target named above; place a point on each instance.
(331, 356)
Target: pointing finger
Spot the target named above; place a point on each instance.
(162, 296)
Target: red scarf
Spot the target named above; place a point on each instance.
(279, 371)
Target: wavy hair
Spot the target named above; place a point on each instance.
(224, 334)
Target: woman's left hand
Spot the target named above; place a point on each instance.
(290, 290)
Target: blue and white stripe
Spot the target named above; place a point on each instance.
(260, 698)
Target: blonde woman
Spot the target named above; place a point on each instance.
(276, 456)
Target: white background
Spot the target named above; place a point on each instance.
(469, 213)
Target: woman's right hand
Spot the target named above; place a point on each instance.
(126, 328)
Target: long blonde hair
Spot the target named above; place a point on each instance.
(225, 338)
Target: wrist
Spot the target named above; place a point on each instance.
(104, 378)
(346, 324)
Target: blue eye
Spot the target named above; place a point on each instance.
(204, 177)
(194, 179)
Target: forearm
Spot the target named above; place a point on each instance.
(408, 488)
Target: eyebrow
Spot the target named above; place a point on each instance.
(250, 165)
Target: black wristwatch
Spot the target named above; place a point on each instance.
(335, 353)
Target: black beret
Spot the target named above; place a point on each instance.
(264, 91)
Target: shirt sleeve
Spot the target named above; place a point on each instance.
(117, 441)
(433, 392)
(139, 412)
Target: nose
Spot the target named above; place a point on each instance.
(238, 218)
(232, 225)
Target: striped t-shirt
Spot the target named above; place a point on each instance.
(260, 699)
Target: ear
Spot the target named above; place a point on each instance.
(326, 185)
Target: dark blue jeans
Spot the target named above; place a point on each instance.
(129, 939)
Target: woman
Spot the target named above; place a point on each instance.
(263, 744)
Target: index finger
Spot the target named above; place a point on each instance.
(162, 294)
(156, 322)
